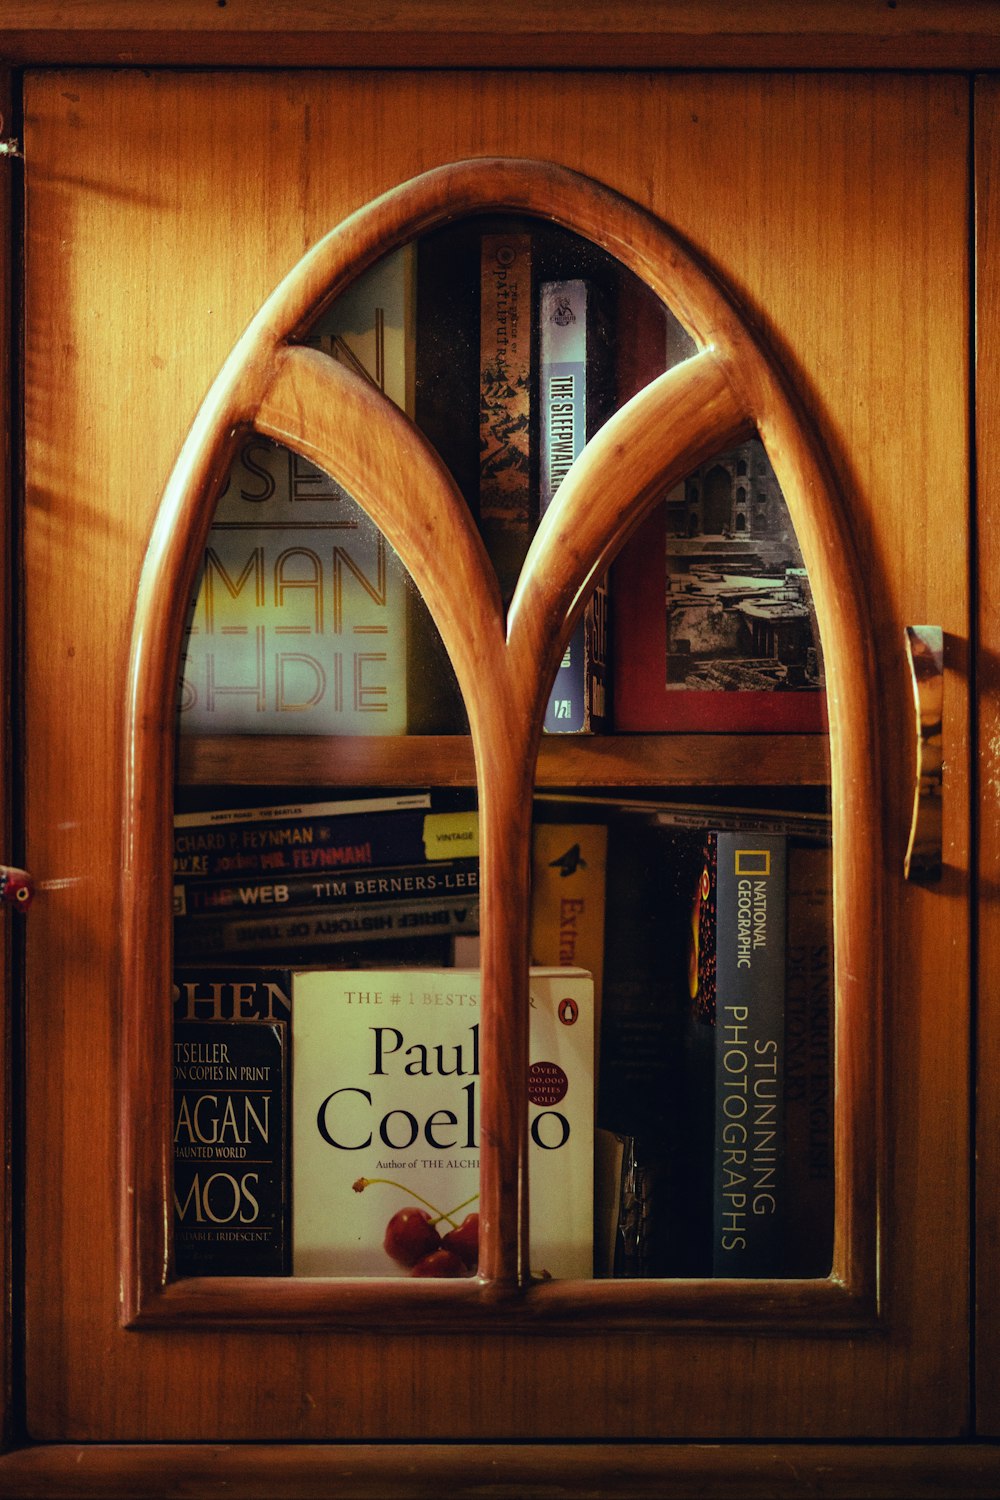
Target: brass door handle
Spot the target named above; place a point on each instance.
(925, 654)
(16, 887)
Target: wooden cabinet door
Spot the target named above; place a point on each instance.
(988, 694)
(161, 209)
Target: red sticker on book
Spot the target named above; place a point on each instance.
(568, 1011)
(547, 1083)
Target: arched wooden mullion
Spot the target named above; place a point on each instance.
(267, 384)
(326, 413)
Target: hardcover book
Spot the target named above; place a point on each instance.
(715, 627)
(640, 1094)
(232, 994)
(294, 837)
(643, 986)
(230, 1149)
(739, 932)
(299, 624)
(507, 508)
(808, 1096)
(386, 1122)
(306, 935)
(330, 889)
(577, 703)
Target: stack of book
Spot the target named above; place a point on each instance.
(681, 1039)
(297, 879)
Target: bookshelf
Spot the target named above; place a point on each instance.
(860, 1358)
(637, 760)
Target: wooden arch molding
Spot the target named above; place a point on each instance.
(505, 666)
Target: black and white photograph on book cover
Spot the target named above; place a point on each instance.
(739, 607)
(715, 622)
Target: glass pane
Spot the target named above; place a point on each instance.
(305, 622)
(510, 342)
(710, 1099)
(374, 896)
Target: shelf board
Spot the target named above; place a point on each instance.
(447, 760)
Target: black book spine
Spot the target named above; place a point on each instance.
(749, 1055)
(333, 889)
(230, 1149)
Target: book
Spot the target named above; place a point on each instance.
(230, 1148)
(326, 929)
(739, 932)
(641, 1095)
(232, 994)
(299, 622)
(507, 502)
(578, 700)
(293, 837)
(568, 887)
(329, 889)
(715, 627)
(808, 1080)
(371, 326)
(291, 854)
(809, 822)
(386, 1124)
(642, 988)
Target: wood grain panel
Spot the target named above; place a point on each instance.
(324, 412)
(586, 1471)
(621, 760)
(9, 1030)
(836, 208)
(987, 667)
(427, 33)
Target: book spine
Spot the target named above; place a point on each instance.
(505, 485)
(809, 1167)
(272, 812)
(577, 703)
(638, 641)
(349, 888)
(810, 825)
(751, 932)
(561, 1115)
(321, 845)
(232, 994)
(230, 1149)
(227, 937)
(568, 888)
(641, 1001)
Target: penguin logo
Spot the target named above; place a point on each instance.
(570, 862)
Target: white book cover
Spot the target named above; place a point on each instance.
(299, 624)
(385, 1099)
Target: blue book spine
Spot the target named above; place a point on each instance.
(576, 703)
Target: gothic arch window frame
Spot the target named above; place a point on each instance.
(729, 388)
